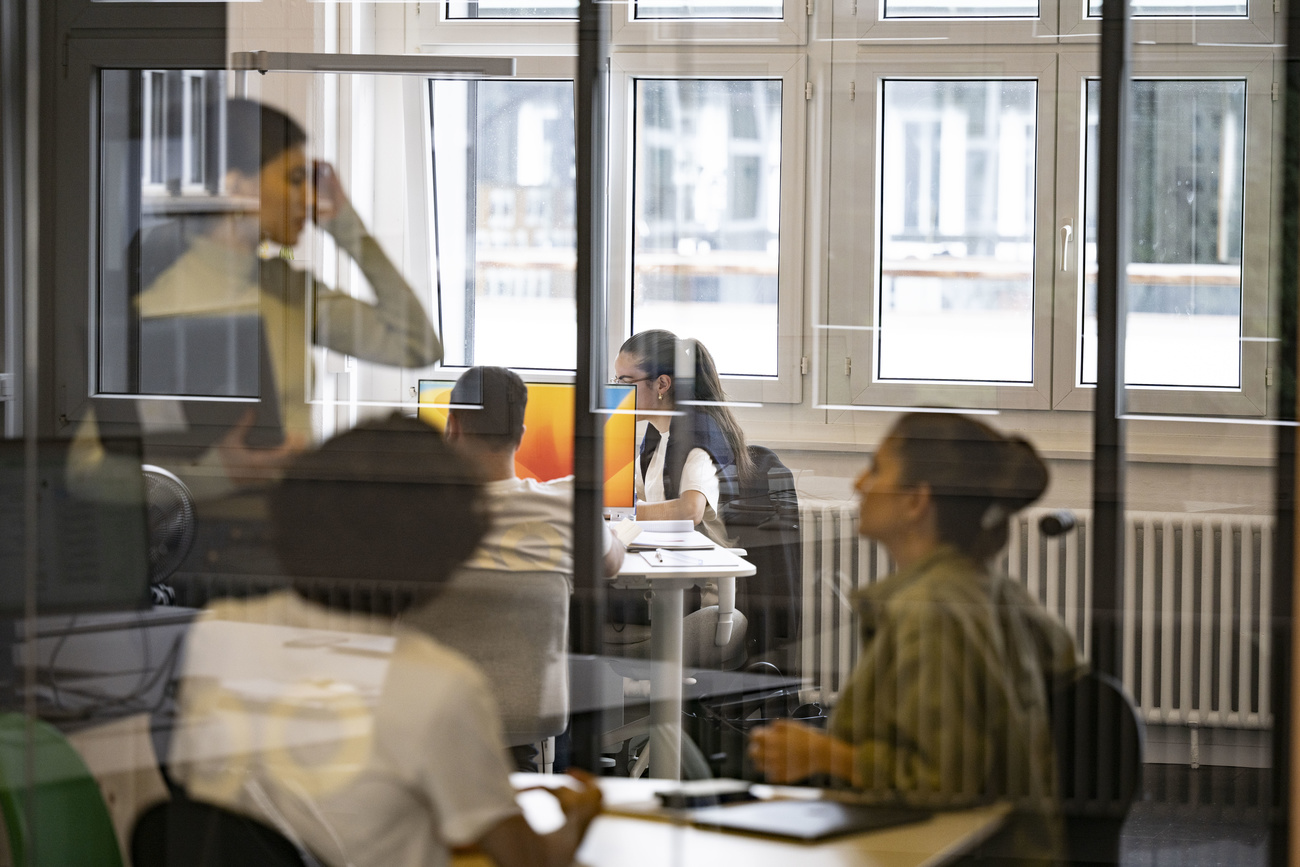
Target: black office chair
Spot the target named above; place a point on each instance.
(185, 833)
(763, 518)
(1100, 741)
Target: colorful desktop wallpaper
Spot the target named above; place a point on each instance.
(547, 449)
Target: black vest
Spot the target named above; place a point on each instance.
(695, 430)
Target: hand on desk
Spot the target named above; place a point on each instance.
(788, 752)
(512, 843)
(581, 804)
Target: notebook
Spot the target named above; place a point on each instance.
(806, 821)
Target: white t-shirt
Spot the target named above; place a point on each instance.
(699, 473)
(532, 527)
(365, 745)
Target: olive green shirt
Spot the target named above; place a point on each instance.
(947, 705)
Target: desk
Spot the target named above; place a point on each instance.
(622, 839)
(668, 585)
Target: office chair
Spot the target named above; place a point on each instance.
(62, 796)
(515, 627)
(763, 518)
(1100, 741)
(185, 833)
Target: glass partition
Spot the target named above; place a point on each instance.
(424, 398)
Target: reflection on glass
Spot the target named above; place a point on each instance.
(176, 197)
(1179, 9)
(964, 9)
(957, 231)
(706, 216)
(497, 9)
(721, 9)
(1184, 274)
(505, 234)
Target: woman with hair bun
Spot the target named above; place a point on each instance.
(947, 704)
(694, 451)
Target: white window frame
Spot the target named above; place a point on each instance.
(872, 27)
(430, 31)
(854, 232)
(193, 115)
(1262, 117)
(791, 68)
(526, 69)
(1259, 27)
(148, 133)
(790, 29)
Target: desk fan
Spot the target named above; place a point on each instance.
(171, 529)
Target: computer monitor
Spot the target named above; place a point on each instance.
(92, 539)
(547, 449)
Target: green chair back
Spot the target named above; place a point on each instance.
(57, 817)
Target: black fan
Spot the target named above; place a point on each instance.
(171, 528)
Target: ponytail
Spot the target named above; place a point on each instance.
(695, 383)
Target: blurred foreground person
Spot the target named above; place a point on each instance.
(947, 706)
(361, 741)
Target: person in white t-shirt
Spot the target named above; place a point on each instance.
(531, 521)
(363, 742)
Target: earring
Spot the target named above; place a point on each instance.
(661, 395)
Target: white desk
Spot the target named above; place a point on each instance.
(668, 585)
(621, 838)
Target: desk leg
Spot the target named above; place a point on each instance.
(666, 683)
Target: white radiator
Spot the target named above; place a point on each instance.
(1195, 598)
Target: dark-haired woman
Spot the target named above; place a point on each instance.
(694, 452)
(947, 705)
(237, 267)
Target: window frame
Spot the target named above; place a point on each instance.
(1258, 27)
(854, 232)
(872, 27)
(430, 31)
(790, 29)
(75, 257)
(791, 68)
(545, 68)
(1262, 117)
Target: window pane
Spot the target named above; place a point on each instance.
(957, 231)
(504, 215)
(1180, 8)
(966, 9)
(706, 210)
(471, 9)
(160, 201)
(1184, 277)
(727, 9)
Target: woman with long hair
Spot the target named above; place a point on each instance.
(947, 704)
(694, 453)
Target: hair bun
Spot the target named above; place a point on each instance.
(1026, 475)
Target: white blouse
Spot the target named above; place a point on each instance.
(699, 473)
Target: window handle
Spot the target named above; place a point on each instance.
(1067, 232)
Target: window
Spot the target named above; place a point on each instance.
(1180, 8)
(706, 216)
(972, 9)
(725, 9)
(480, 9)
(957, 231)
(171, 205)
(503, 162)
(1185, 273)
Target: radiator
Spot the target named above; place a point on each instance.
(1195, 597)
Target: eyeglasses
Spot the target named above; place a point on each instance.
(626, 380)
